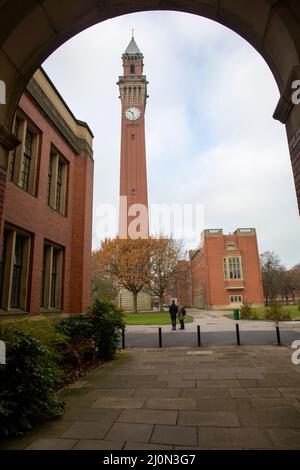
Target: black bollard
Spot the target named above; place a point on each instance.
(278, 333)
(160, 337)
(199, 336)
(237, 327)
(123, 338)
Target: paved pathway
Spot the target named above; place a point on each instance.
(223, 397)
(216, 330)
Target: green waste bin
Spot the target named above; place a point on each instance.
(236, 314)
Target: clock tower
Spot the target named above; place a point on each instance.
(133, 220)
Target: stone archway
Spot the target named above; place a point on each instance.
(30, 31)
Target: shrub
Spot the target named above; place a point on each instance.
(107, 320)
(276, 313)
(247, 312)
(27, 382)
(45, 354)
(80, 345)
(46, 332)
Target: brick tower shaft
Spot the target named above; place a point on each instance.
(133, 217)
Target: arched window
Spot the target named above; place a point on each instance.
(132, 68)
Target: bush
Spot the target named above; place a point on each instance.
(247, 312)
(80, 345)
(107, 321)
(27, 382)
(46, 332)
(276, 313)
(43, 355)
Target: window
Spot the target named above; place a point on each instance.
(57, 183)
(49, 179)
(236, 299)
(230, 246)
(13, 157)
(26, 161)
(133, 192)
(51, 281)
(17, 272)
(132, 136)
(232, 268)
(23, 160)
(15, 268)
(132, 68)
(43, 277)
(2, 263)
(54, 279)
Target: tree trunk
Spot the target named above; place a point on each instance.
(161, 302)
(135, 302)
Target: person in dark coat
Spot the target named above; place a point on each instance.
(173, 310)
(181, 315)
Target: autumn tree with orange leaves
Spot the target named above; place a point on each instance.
(126, 261)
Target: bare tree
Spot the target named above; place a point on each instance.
(290, 284)
(271, 269)
(165, 254)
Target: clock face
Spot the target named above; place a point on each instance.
(132, 114)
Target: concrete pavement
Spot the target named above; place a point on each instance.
(213, 398)
(216, 330)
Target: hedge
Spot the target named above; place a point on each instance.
(44, 355)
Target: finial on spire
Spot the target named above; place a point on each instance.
(132, 33)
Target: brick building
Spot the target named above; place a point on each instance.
(224, 272)
(46, 253)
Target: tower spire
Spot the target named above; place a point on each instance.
(132, 48)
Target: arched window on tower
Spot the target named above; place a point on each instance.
(132, 68)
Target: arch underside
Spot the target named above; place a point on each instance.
(30, 31)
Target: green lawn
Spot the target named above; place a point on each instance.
(293, 309)
(151, 318)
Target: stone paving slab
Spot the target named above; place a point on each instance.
(254, 392)
(263, 403)
(77, 413)
(222, 404)
(175, 435)
(224, 419)
(232, 438)
(93, 444)
(167, 393)
(52, 444)
(149, 417)
(130, 432)
(141, 446)
(285, 438)
(87, 430)
(171, 404)
(116, 402)
(231, 398)
(270, 418)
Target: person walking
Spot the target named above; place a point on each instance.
(173, 310)
(181, 315)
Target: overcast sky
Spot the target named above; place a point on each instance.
(210, 135)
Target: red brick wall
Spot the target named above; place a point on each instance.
(215, 250)
(2, 199)
(295, 158)
(73, 232)
(82, 235)
(196, 278)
